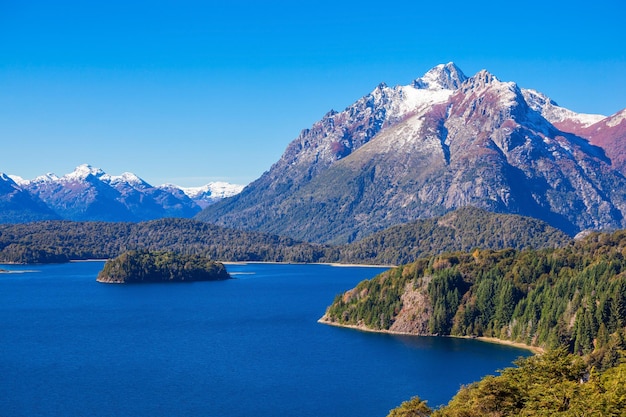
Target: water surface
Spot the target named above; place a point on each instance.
(249, 346)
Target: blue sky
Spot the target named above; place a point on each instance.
(195, 91)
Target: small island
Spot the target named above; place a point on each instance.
(158, 266)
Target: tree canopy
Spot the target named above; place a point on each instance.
(464, 229)
(573, 296)
(146, 266)
(552, 384)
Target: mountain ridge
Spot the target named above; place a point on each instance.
(403, 153)
(62, 240)
(89, 193)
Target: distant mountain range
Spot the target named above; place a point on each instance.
(442, 142)
(398, 154)
(90, 194)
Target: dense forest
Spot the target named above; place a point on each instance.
(571, 301)
(553, 384)
(152, 266)
(60, 241)
(460, 230)
(573, 296)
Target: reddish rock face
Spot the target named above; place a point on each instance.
(608, 134)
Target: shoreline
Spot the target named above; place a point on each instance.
(534, 349)
(334, 264)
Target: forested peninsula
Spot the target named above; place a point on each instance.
(573, 296)
(569, 301)
(153, 267)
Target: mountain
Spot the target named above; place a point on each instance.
(443, 142)
(90, 194)
(18, 205)
(210, 193)
(609, 134)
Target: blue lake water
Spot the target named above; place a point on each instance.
(70, 346)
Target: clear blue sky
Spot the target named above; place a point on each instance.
(196, 91)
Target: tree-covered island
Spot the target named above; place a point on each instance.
(160, 266)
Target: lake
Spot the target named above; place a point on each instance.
(249, 346)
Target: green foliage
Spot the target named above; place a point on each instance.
(415, 407)
(59, 241)
(552, 384)
(573, 296)
(461, 230)
(66, 240)
(146, 266)
(555, 383)
(444, 290)
(373, 303)
(18, 253)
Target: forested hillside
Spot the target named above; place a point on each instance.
(573, 296)
(460, 230)
(60, 241)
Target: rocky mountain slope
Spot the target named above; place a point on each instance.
(610, 135)
(90, 194)
(417, 151)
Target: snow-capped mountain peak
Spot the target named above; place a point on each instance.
(194, 192)
(207, 194)
(442, 77)
(49, 177)
(126, 178)
(88, 193)
(555, 114)
(82, 172)
(442, 142)
(17, 179)
(8, 185)
(7, 178)
(217, 189)
(617, 119)
(482, 80)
